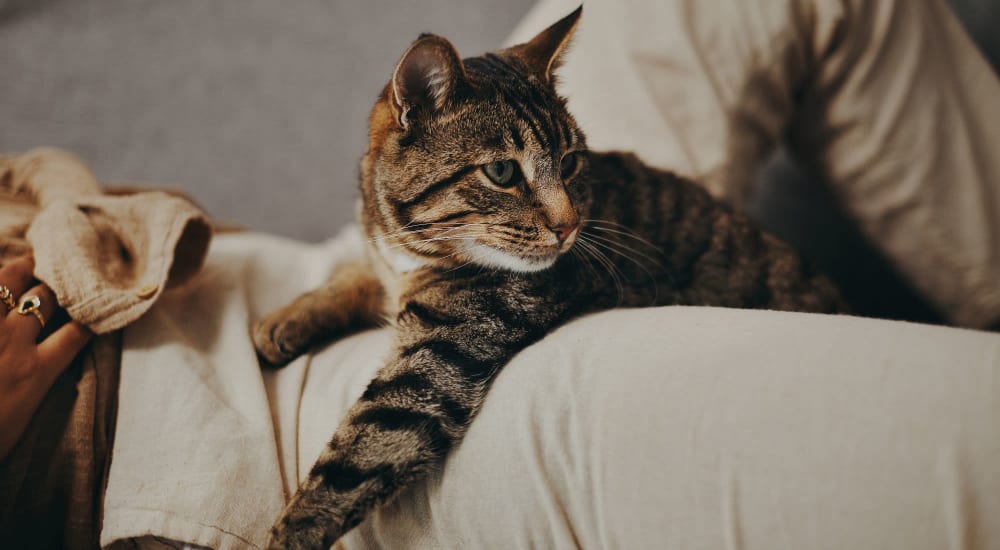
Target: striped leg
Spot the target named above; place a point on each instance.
(396, 434)
(451, 342)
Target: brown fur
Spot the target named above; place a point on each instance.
(351, 299)
(471, 268)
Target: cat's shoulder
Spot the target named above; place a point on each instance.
(624, 167)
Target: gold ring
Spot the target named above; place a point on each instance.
(31, 304)
(7, 298)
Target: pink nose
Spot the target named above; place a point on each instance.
(563, 231)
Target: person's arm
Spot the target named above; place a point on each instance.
(693, 427)
(30, 360)
(889, 102)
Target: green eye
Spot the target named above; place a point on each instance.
(569, 164)
(502, 173)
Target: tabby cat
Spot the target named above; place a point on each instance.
(490, 223)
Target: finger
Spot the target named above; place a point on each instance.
(17, 275)
(57, 351)
(28, 325)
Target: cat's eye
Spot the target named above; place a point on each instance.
(503, 173)
(570, 162)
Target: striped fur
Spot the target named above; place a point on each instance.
(471, 272)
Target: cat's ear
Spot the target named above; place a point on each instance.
(426, 77)
(543, 54)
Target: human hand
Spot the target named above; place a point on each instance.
(30, 359)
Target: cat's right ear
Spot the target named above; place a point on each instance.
(543, 54)
(426, 78)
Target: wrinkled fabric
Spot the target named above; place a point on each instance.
(106, 258)
(206, 444)
(657, 428)
(675, 427)
(889, 101)
(738, 429)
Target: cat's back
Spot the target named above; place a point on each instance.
(709, 254)
(622, 171)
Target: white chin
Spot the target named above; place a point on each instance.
(487, 256)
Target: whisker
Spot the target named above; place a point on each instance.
(450, 227)
(581, 256)
(628, 232)
(458, 266)
(606, 263)
(387, 236)
(614, 243)
(607, 245)
(431, 240)
(625, 231)
(409, 228)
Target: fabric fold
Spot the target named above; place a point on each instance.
(107, 258)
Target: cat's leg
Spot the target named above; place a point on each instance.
(350, 299)
(397, 433)
(451, 341)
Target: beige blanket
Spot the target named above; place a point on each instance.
(108, 259)
(652, 428)
(207, 444)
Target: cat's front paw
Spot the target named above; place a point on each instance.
(303, 530)
(274, 338)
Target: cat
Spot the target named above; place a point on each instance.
(489, 224)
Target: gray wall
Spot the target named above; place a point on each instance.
(256, 107)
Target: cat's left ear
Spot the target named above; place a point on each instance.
(426, 78)
(543, 54)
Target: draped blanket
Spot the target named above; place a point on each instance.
(108, 257)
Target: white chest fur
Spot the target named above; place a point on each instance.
(391, 266)
(398, 260)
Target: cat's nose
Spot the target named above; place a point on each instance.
(563, 231)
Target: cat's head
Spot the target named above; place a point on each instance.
(475, 161)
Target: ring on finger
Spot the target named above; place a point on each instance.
(31, 304)
(7, 297)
